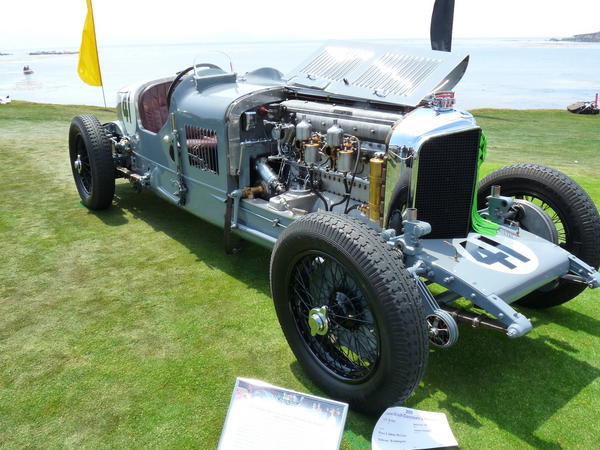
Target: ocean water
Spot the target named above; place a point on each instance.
(527, 73)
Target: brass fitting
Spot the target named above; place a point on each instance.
(376, 167)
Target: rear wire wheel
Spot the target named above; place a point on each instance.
(91, 162)
(349, 310)
(569, 207)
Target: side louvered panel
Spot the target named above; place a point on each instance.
(202, 148)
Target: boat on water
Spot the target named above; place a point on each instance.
(27, 70)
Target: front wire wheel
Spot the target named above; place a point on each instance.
(569, 208)
(350, 311)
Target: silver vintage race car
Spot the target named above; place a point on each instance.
(358, 172)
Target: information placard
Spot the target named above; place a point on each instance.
(266, 417)
(409, 429)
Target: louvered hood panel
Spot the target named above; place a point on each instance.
(376, 73)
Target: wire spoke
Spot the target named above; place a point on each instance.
(350, 345)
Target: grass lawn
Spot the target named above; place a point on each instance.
(126, 328)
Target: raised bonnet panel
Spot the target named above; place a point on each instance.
(382, 74)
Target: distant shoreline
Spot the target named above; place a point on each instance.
(46, 52)
(53, 52)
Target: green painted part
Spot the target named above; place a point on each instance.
(479, 224)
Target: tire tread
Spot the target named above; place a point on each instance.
(384, 267)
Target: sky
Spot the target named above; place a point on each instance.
(59, 24)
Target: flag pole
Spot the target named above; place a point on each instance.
(103, 96)
(97, 56)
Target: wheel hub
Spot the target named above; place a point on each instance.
(318, 321)
(343, 308)
(77, 164)
(535, 220)
(436, 334)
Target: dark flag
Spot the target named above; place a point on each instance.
(441, 25)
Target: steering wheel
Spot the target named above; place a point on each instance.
(181, 75)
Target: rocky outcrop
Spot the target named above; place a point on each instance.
(589, 37)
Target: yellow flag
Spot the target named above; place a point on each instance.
(89, 64)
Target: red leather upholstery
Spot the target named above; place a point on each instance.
(153, 106)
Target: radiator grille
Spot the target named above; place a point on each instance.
(202, 148)
(446, 183)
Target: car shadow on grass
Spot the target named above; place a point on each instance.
(565, 317)
(518, 384)
(202, 239)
